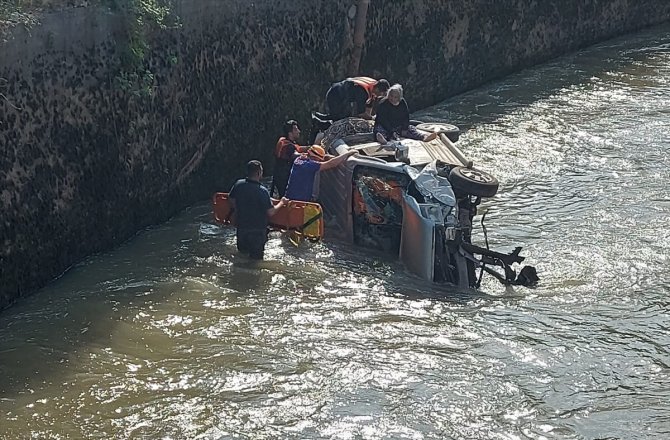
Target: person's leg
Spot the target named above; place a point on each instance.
(257, 254)
(380, 134)
(336, 103)
(413, 133)
(280, 180)
(257, 244)
(281, 188)
(429, 137)
(242, 242)
(320, 123)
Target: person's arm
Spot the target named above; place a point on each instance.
(367, 114)
(404, 114)
(382, 117)
(361, 108)
(332, 163)
(295, 151)
(272, 211)
(231, 197)
(374, 106)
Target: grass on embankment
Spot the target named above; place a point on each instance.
(24, 12)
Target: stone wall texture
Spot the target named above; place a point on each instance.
(85, 163)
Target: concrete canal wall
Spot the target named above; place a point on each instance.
(89, 155)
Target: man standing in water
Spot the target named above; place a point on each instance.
(253, 207)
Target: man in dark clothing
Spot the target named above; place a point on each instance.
(252, 205)
(286, 151)
(354, 97)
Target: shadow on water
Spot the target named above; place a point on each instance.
(517, 91)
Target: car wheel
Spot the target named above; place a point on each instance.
(451, 131)
(473, 181)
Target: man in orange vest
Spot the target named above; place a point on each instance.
(286, 151)
(354, 97)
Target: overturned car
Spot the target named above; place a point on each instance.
(416, 200)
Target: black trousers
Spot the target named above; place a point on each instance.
(338, 101)
(252, 242)
(280, 177)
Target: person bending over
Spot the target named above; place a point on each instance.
(392, 119)
(354, 97)
(253, 207)
(305, 169)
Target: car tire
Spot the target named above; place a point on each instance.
(473, 182)
(451, 131)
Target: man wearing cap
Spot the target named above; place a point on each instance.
(253, 207)
(305, 168)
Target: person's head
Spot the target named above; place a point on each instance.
(316, 153)
(254, 170)
(381, 87)
(394, 94)
(291, 130)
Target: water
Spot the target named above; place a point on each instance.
(173, 335)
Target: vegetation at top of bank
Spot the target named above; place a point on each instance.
(138, 12)
(16, 12)
(140, 18)
(13, 13)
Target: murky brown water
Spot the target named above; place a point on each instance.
(173, 336)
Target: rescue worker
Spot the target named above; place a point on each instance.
(253, 207)
(354, 97)
(286, 151)
(305, 169)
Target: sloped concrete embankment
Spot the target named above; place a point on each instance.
(85, 162)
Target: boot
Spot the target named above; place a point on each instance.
(319, 123)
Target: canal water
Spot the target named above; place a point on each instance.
(174, 336)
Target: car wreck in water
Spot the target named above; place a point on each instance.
(416, 200)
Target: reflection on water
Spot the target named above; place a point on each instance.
(174, 335)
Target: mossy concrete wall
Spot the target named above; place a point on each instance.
(85, 163)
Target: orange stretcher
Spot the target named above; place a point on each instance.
(303, 217)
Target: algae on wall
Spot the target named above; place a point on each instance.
(85, 163)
